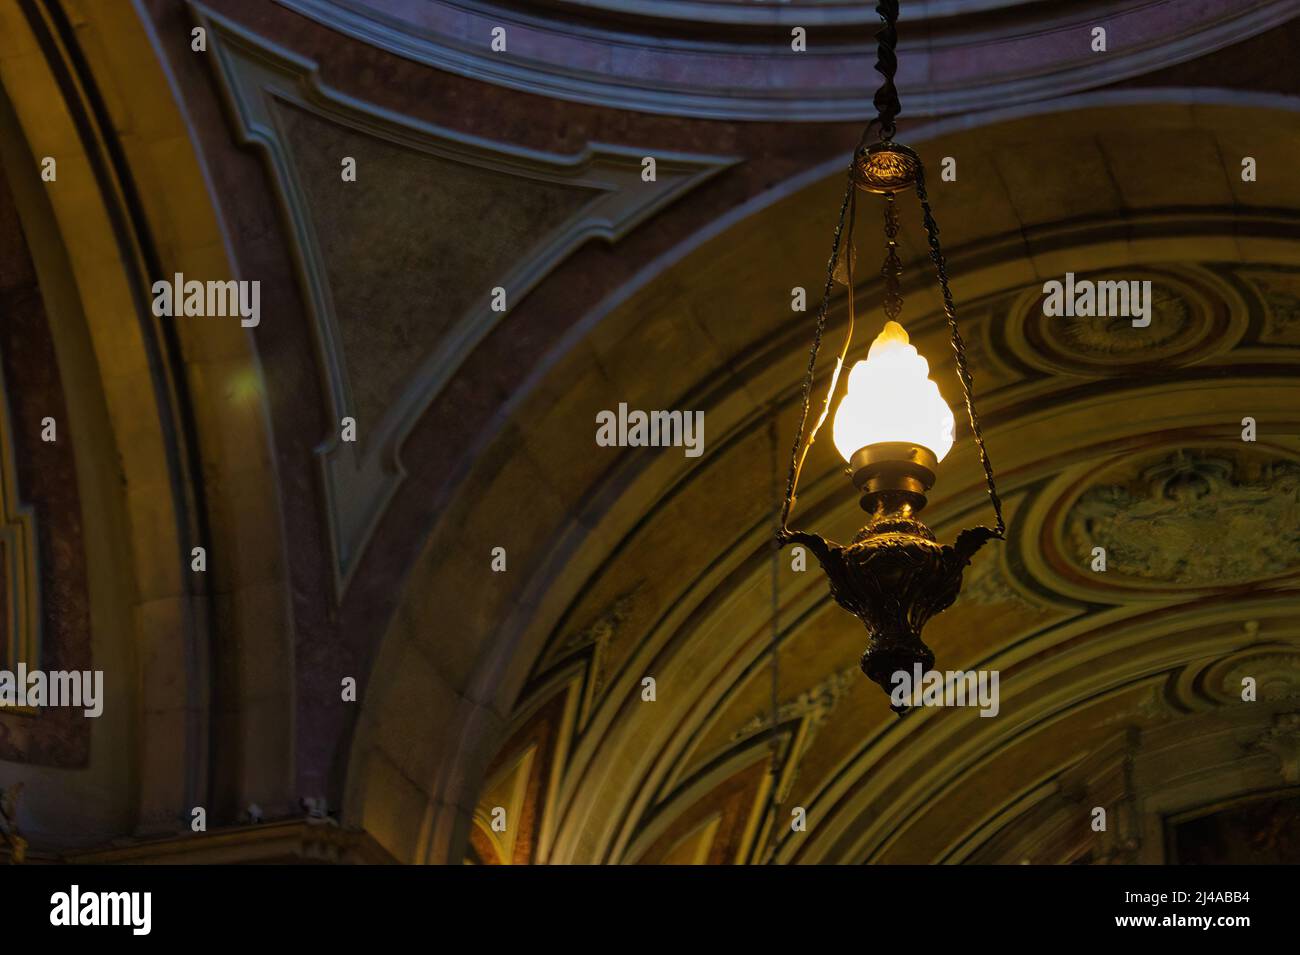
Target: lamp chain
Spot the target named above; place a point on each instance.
(886, 99)
(892, 268)
(958, 346)
(888, 107)
(796, 458)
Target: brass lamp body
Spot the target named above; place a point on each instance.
(894, 576)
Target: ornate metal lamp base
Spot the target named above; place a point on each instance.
(894, 576)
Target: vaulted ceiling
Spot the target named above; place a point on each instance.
(1102, 434)
(521, 689)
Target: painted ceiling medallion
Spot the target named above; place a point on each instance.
(1155, 525)
(1188, 314)
(1113, 336)
(1271, 663)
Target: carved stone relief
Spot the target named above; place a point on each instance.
(1192, 518)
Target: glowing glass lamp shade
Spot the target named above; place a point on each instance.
(891, 398)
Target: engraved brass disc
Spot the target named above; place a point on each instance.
(886, 167)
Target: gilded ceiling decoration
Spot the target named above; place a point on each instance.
(592, 642)
(1156, 525)
(1174, 516)
(1194, 313)
(1280, 289)
(1113, 338)
(815, 704)
(1274, 667)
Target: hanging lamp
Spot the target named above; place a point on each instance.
(892, 427)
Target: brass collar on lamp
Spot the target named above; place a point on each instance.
(893, 476)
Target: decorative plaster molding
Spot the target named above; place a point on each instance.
(1282, 741)
(595, 639)
(360, 479)
(1153, 706)
(1195, 316)
(990, 584)
(812, 706)
(750, 13)
(1279, 292)
(744, 70)
(1274, 665)
(282, 842)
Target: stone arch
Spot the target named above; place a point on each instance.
(169, 424)
(712, 325)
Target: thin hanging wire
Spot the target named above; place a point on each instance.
(776, 765)
(801, 456)
(887, 106)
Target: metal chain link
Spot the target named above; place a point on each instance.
(796, 462)
(886, 99)
(892, 268)
(958, 346)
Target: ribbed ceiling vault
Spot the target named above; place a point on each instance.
(628, 563)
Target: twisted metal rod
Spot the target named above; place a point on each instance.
(776, 766)
(886, 99)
